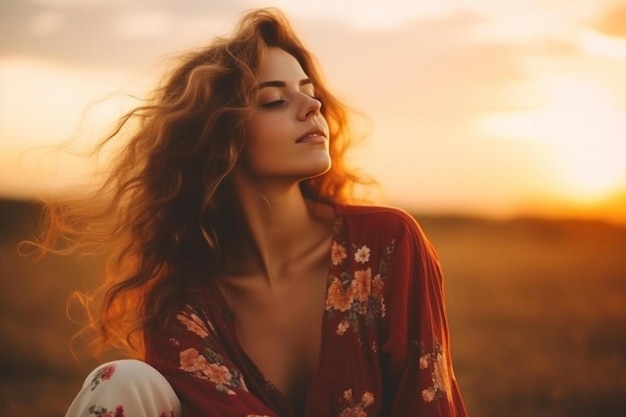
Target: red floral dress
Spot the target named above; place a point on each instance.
(385, 348)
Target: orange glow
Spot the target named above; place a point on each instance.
(56, 114)
(582, 127)
(494, 108)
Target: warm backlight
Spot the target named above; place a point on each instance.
(582, 128)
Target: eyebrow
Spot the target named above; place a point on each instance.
(282, 84)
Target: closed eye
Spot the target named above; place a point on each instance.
(273, 104)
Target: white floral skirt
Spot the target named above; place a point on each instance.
(125, 388)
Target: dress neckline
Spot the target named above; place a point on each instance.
(230, 325)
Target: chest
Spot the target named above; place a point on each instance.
(280, 330)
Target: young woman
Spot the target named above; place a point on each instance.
(243, 280)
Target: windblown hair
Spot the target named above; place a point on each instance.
(163, 205)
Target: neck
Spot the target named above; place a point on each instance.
(281, 228)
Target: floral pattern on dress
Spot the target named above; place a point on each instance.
(104, 374)
(440, 376)
(359, 295)
(104, 412)
(362, 254)
(358, 409)
(207, 364)
(337, 253)
(194, 324)
(119, 412)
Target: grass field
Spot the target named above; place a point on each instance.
(537, 311)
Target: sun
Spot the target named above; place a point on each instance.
(582, 128)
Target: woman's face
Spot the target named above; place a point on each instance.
(287, 136)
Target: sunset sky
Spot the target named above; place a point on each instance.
(489, 107)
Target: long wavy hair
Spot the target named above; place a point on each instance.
(164, 206)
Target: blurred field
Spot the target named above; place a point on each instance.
(537, 311)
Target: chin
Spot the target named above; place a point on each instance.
(320, 167)
(317, 172)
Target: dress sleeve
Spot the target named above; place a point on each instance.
(200, 370)
(420, 380)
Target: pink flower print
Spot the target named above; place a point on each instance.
(191, 361)
(337, 253)
(377, 286)
(347, 395)
(339, 298)
(218, 373)
(104, 412)
(104, 374)
(342, 327)
(362, 255)
(357, 294)
(196, 364)
(356, 410)
(353, 412)
(367, 399)
(194, 324)
(107, 372)
(362, 284)
(440, 376)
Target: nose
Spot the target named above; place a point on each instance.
(310, 107)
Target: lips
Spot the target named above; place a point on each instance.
(314, 135)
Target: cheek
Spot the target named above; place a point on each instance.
(260, 140)
(265, 143)
(263, 127)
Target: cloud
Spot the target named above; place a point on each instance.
(145, 25)
(423, 81)
(613, 22)
(433, 64)
(430, 70)
(369, 14)
(127, 33)
(45, 23)
(109, 34)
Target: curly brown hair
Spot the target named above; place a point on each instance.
(164, 204)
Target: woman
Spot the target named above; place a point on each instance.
(242, 278)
